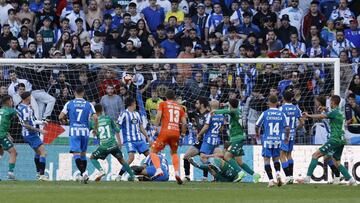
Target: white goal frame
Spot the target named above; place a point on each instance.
(334, 61)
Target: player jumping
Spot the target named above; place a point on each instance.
(6, 114)
(292, 115)
(235, 152)
(79, 112)
(108, 144)
(199, 119)
(274, 122)
(31, 134)
(335, 145)
(132, 130)
(170, 114)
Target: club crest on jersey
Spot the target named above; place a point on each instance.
(134, 121)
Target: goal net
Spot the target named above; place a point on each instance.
(109, 81)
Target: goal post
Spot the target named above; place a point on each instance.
(334, 61)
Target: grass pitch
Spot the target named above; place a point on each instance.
(169, 192)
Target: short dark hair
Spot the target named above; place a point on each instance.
(234, 103)
(321, 100)
(288, 95)
(98, 108)
(24, 20)
(80, 89)
(273, 99)
(21, 85)
(129, 101)
(79, 20)
(86, 44)
(170, 94)
(204, 101)
(6, 98)
(336, 99)
(352, 95)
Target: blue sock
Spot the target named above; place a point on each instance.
(83, 158)
(285, 167)
(285, 164)
(330, 163)
(42, 159)
(76, 157)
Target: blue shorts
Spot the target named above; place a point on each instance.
(287, 147)
(150, 170)
(139, 146)
(78, 143)
(271, 152)
(207, 148)
(34, 141)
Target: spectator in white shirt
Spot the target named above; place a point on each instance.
(295, 46)
(24, 39)
(4, 7)
(296, 15)
(75, 14)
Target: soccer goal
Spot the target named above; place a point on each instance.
(110, 81)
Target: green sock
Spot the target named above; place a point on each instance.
(127, 168)
(96, 164)
(234, 164)
(11, 167)
(203, 167)
(247, 169)
(312, 167)
(345, 172)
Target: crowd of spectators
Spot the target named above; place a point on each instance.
(180, 29)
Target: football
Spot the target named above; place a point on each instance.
(127, 79)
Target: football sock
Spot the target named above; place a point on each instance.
(96, 164)
(234, 164)
(277, 166)
(11, 167)
(37, 162)
(333, 168)
(205, 173)
(155, 160)
(268, 171)
(247, 169)
(84, 162)
(312, 167)
(345, 172)
(186, 167)
(79, 164)
(121, 171)
(127, 168)
(42, 165)
(175, 161)
(204, 167)
(291, 167)
(285, 167)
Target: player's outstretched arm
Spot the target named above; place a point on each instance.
(257, 131)
(315, 116)
(62, 118)
(221, 111)
(301, 123)
(29, 127)
(143, 131)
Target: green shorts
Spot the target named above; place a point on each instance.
(333, 149)
(102, 152)
(6, 143)
(236, 148)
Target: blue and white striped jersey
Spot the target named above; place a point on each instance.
(26, 115)
(215, 122)
(292, 115)
(274, 122)
(163, 161)
(79, 112)
(130, 126)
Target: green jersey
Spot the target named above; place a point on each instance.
(106, 129)
(236, 128)
(336, 125)
(6, 114)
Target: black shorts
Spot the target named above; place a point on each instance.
(197, 145)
